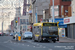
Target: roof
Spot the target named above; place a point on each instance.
(41, 24)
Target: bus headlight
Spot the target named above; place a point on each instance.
(44, 38)
(56, 38)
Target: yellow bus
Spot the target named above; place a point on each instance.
(45, 32)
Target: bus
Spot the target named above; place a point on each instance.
(45, 32)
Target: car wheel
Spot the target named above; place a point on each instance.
(39, 39)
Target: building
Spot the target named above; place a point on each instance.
(37, 9)
(12, 26)
(26, 6)
(70, 21)
(24, 23)
(17, 19)
(73, 8)
(61, 9)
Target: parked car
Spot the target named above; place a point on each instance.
(11, 34)
(0, 34)
(27, 35)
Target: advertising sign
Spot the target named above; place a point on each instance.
(61, 22)
(69, 20)
(63, 32)
(56, 10)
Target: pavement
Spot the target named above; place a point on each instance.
(66, 40)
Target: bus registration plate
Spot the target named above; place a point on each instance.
(49, 37)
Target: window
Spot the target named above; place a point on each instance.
(66, 0)
(21, 21)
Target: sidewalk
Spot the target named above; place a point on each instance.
(66, 40)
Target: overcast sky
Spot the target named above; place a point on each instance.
(10, 3)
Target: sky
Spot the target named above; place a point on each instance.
(9, 4)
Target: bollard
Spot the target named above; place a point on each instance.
(19, 37)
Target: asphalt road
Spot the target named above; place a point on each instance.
(7, 43)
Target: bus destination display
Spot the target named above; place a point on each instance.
(49, 24)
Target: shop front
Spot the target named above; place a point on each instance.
(62, 27)
(70, 21)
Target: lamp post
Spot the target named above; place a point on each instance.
(2, 20)
(19, 17)
(36, 15)
(53, 11)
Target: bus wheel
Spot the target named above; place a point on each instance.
(39, 39)
(34, 39)
(54, 41)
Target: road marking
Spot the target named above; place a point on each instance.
(40, 45)
(34, 46)
(27, 45)
(8, 47)
(10, 41)
(22, 44)
(6, 42)
(44, 47)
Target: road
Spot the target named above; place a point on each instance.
(7, 43)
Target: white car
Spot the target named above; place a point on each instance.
(27, 35)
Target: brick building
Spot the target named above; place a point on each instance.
(62, 8)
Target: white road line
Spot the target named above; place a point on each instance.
(22, 44)
(10, 41)
(27, 45)
(50, 49)
(40, 45)
(34, 46)
(8, 47)
(6, 42)
(44, 47)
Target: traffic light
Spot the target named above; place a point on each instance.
(16, 21)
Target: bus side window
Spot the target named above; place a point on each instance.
(37, 26)
(35, 30)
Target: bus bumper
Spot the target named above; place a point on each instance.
(51, 38)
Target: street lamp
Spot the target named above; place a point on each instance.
(2, 20)
(36, 15)
(53, 11)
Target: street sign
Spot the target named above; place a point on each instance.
(61, 22)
